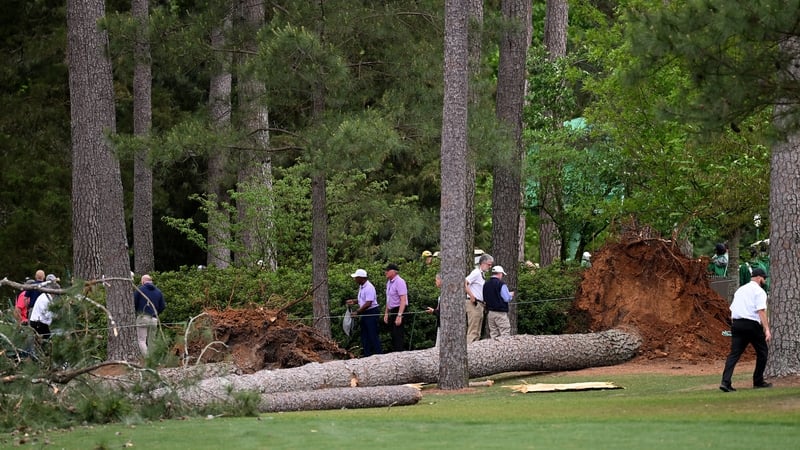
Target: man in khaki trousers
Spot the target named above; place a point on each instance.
(473, 284)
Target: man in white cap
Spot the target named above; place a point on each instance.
(369, 312)
(497, 296)
(586, 260)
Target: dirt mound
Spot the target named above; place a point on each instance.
(649, 284)
(259, 338)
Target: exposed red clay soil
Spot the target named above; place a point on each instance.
(260, 338)
(648, 284)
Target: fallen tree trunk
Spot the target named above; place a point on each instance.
(486, 357)
(340, 398)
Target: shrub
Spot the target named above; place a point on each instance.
(545, 297)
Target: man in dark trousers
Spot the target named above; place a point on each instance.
(396, 305)
(750, 327)
(369, 311)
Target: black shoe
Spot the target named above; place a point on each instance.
(726, 388)
(761, 385)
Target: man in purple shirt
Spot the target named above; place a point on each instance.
(369, 312)
(396, 304)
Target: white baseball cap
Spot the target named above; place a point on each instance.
(359, 273)
(498, 269)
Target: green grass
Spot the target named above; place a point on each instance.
(652, 412)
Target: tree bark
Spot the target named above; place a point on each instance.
(454, 155)
(89, 70)
(486, 357)
(474, 40)
(144, 260)
(219, 100)
(341, 398)
(100, 242)
(319, 212)
(555, 41)
(784, 235)
(319, 254)
(507, 182)
(255, 164)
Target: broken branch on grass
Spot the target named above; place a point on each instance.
(186, 338)
(200, 358)
(64, 377)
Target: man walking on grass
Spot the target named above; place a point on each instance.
(750, 326)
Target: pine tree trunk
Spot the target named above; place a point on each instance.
(555, 41)
(507, 181)
(144, 259)
(99, 219)
(319, 215)
(454, 155)
(89, 72)
(486, 357)
(784, 212)
(219, 103)
(474, 39)
(255, 163)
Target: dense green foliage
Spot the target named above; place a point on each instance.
(544, 298)
(378, 136)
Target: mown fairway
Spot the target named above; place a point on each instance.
(653, 411)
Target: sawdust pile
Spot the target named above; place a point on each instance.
(649, 284)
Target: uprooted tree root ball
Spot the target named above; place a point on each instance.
(259, 338)
(650, 285)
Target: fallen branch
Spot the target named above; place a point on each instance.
(207, 347)
(186, 338)
(64, 377)
(14, 347)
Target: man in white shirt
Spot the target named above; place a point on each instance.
(750, 326)
(473, 284)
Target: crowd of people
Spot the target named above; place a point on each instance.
(32, 307)
(485, 298)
